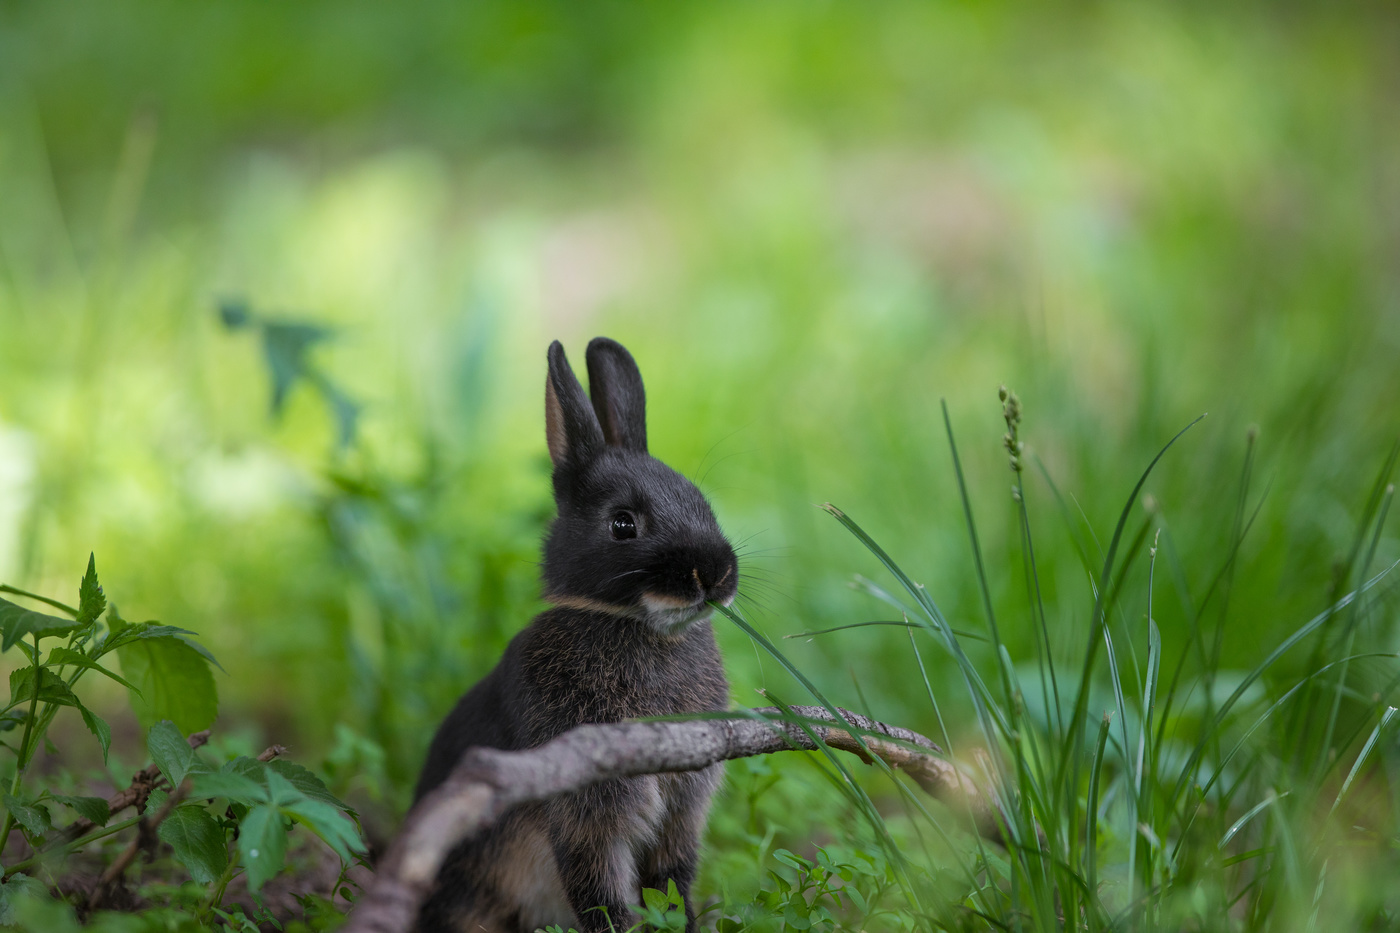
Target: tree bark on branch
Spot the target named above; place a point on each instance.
(487, 782)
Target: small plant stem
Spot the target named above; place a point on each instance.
(21, 760)
(70, 847)
(62, 607)
(216, 891)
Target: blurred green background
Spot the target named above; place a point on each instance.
(809, 222)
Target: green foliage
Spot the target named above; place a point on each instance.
(1122, 831)
(808, 222)
(170, 751)
(242, 811)
(198, 842)
(17, 622)
(662, 910)
(171, 678)
(286, 348)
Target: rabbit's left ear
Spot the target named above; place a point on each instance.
(615, 386)
(570, 426)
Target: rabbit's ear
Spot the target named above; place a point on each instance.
(570, 426)
(619, 400)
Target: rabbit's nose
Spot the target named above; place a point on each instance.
(714, 580)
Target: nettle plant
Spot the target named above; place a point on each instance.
(218, 821)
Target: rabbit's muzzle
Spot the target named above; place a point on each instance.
(684, 582)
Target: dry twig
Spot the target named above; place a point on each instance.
(146, 829)
(142, 783)
(488, 781)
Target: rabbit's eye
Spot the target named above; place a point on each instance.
(623, 526)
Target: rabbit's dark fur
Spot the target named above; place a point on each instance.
(629, 636)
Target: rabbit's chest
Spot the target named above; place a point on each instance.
(607, 686)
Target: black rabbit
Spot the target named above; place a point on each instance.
(629, 565)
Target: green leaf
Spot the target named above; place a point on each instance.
(33, 817)
(285, 346)
(250, 768)
(174, 680)
(654, 899)
(198, 842)
(796, 861)
(21, 891)
(91, 601)
(16, 622)
(262, 842)
(329, 823)
(795, 915)
(154, 801)
(52, 688)
(98, 727)
(93, 809)
(124, 633)
(68, 656)
(308, 783)
(236, 787)
(235, 313)
(170, 751)
(281, 791)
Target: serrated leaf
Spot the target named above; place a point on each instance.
(262, 843)
(32, 816)
(170, 751)
(52, 688)
(154, 801)
(174, 680)
(63, 655)
(91, 600)
(17, 622)
(93, 809)
(329, 823)
(124, 633)
(307, 782)
(198, 842)
(250, 768)
(280, 790)
(98, 727)
(235, 787)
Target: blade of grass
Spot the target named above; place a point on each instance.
(1361, 758)
(973, 636)
(1258, 670)
(1068, 777)
(1091, 836)
(1353, 619)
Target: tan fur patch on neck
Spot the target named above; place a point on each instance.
(591, 605)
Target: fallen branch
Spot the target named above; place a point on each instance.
(488, 781)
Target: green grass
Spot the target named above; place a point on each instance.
(1143, 810)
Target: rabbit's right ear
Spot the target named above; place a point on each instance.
(570, 424)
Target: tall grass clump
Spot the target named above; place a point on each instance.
(1140, 784)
